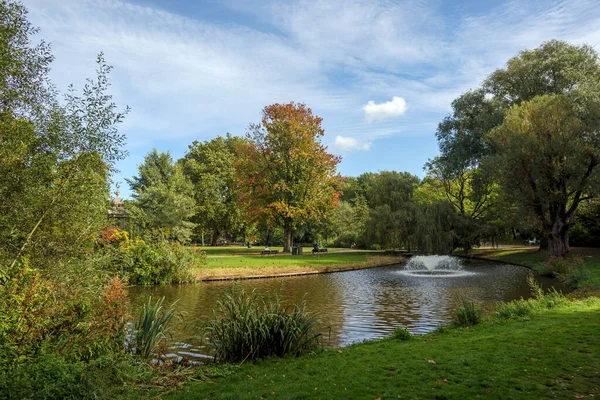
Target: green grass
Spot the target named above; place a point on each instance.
(532, 258)
(552, 354)
(252, 261)
(242, 257)
(233, 262)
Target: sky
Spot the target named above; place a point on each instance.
(381, 74)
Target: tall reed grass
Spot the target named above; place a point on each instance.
(245, 326)
(468, 313)
(152, 328)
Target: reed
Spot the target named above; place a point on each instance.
(245, 326)
(152, 327)
(468, 313)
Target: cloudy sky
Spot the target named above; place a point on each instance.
(382, 74)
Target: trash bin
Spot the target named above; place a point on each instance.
(294, 251)
(299, 250)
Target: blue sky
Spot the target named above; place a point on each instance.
(382, 74)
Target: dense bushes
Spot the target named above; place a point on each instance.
(146, 263)
(247, 327)
(570, 270)
(52, 332)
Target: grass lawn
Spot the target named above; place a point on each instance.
(552, 354)
(238, 262)
(531, 257)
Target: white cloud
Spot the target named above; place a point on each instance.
(394, 108)
(347, 144)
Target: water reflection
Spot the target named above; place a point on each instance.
(354, 305)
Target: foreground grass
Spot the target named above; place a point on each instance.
(533, 257)
(239, 262)
(553, 354)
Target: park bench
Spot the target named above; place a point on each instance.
(319, 250)
(268, 252)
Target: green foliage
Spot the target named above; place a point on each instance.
(540, 301)
(163, 197)
(390, 201)
(402, 334)
(149, 263)
(55, 158)
(151, 328)
(245, 326)
(569, 270)
(468, 313)
(49, 376)
(210, 167)
(585, 232)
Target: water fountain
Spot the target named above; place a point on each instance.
(434, 266)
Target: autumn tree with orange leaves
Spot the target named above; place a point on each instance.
(285, 174)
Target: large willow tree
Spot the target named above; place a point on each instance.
(536, 123)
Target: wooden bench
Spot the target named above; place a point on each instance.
(319, 251)
(268, 252)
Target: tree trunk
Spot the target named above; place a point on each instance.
(215, 238)
(288, 236)
(558, 238)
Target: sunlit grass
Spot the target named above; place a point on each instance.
(533, 258)
(551, 354)
(238, 262)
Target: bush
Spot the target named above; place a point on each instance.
(246, 327)
(468, 313)
(402, 334)
(150, 263)
(569, 270)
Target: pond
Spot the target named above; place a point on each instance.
(355, 305)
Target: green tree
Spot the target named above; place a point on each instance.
(468, 185)
(163, 197)
(390, 201)
(55, 159)
(555, 68)
(548, 158)
(285, 173)
(210, 167)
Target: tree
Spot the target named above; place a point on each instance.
(390, 200)
(285, 173)
(55, 159)
(555, 68)
(210, 168)
(548, 158)
(163, 197)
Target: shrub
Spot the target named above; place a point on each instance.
(152, 328)
(468, 313)
(244, 326)
(569, 270)
(150, 263)
(514, 309)
(402, 334)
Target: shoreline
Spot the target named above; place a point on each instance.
(231, 274)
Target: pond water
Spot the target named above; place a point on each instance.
(354, 305)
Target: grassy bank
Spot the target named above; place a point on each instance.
(551, 354)
(534, 258)
(241, 262)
